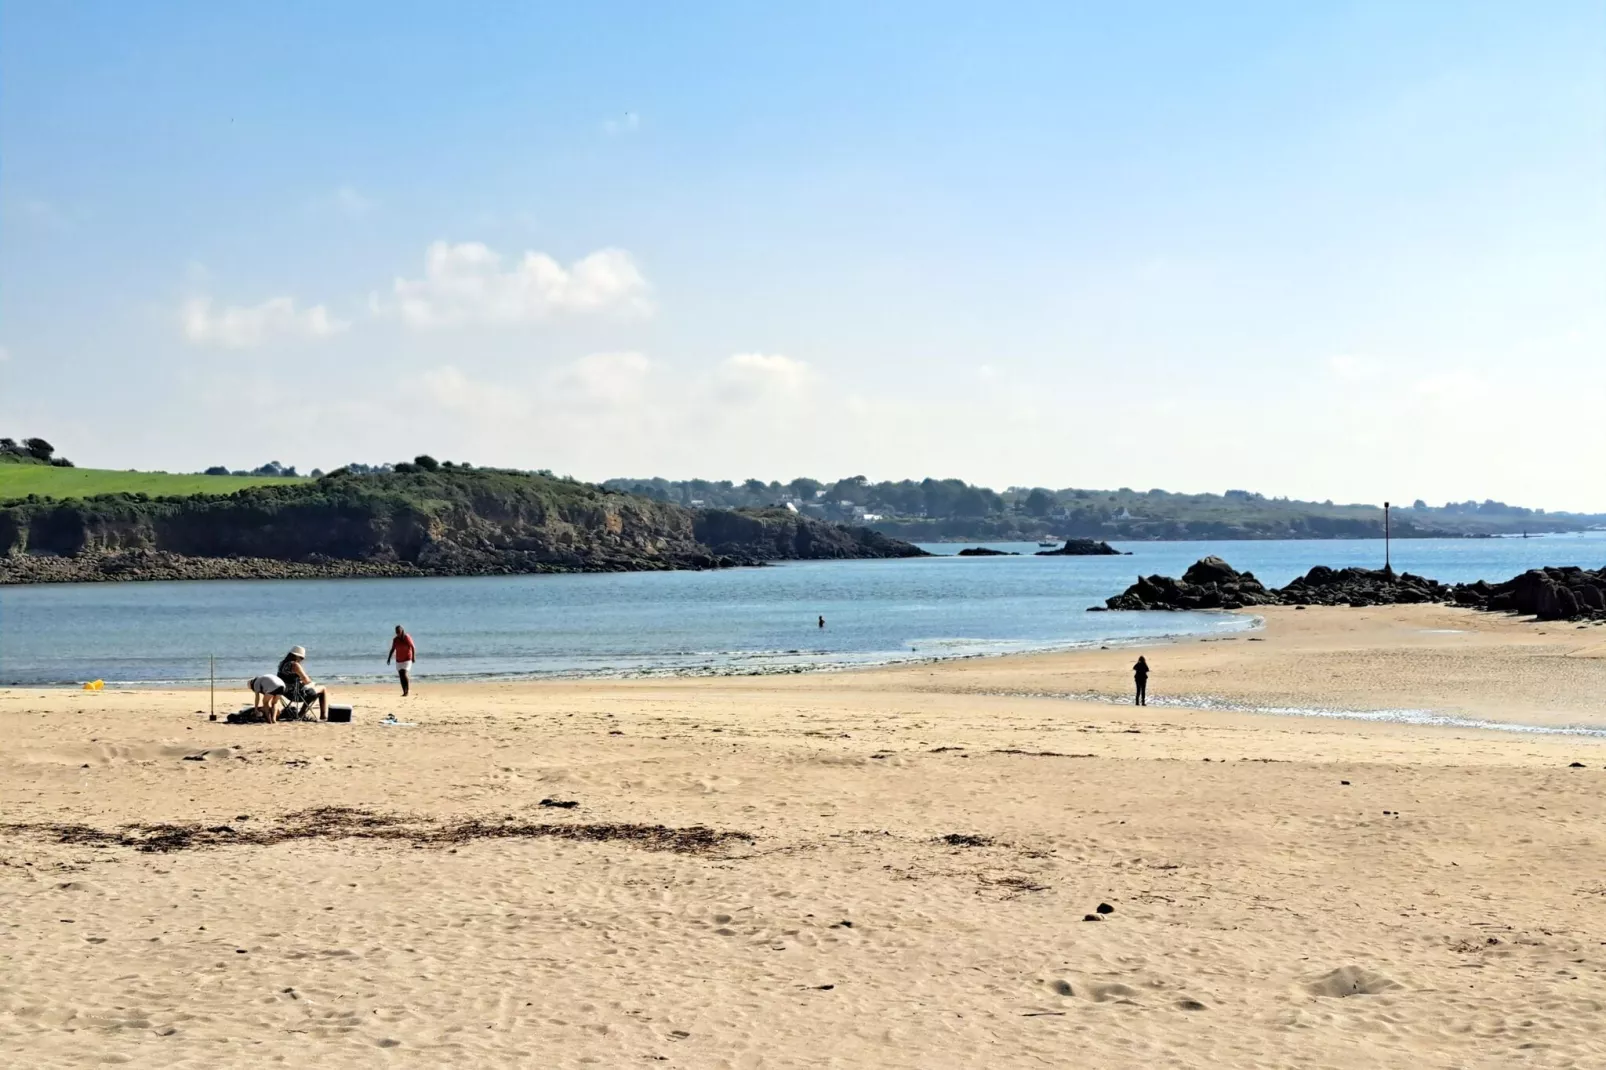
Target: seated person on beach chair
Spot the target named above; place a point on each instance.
(267, 691)
(298, 686)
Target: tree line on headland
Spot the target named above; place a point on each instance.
(441, 517)
(30, 451)
(933, 510)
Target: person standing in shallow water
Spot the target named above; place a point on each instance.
(402, 649)
(1140, 676)
(822, 622)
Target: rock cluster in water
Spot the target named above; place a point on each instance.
(985, 551)
(1211, 583)
(1081, 548)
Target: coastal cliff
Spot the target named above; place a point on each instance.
(450, 521)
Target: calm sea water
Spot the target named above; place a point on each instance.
(734, 621)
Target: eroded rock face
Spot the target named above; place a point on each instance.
(462, 523)
(1547, 594)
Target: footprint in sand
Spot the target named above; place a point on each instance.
(1097, 991)
(1351, 981)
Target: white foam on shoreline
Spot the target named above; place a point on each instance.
(924, 651)
(1428, 718)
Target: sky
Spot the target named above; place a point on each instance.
(1327, 250)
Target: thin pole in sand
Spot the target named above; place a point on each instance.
(1388, 565)
(211, 698)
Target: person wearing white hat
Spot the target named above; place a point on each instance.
(298, 686)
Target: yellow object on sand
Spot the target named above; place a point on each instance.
(95, 685)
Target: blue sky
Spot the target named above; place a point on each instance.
(1348, 251)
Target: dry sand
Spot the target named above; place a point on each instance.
(1286, 891)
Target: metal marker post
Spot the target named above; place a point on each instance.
(1388, 564)
(211, 699)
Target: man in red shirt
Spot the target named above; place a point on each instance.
(401, 648)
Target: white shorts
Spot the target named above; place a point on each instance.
(268, 685)
(403, 666)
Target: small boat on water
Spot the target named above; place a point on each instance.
(1050, 542)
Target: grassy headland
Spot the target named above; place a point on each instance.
(429, 519)
(47, 481)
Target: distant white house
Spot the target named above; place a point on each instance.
(870, 518)
(791, 507)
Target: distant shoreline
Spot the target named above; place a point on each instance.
(1413, 536)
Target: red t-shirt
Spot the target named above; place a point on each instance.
(401, 647)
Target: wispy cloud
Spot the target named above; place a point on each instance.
(248, 326)
(628, 123)
(607, 379)
(773, 375)
(39, 213)
(633, 389)
(467, 283)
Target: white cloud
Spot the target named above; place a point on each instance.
(607, 378)
(246, 326)
(466, 283)
(764, 373)
(620, 403)
(628, 123)
(449, 388)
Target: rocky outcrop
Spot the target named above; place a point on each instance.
(161, 565)
(1081, 548)
(459, 522)
(1323, 586)
(985, 551)
(1211, 583)
(1545, 593)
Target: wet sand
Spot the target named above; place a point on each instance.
(887, 868)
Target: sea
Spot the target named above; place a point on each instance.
(734, 621)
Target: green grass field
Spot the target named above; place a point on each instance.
(21, 480)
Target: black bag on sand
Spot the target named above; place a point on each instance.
(249, 715)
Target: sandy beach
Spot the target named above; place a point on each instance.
(987, 863)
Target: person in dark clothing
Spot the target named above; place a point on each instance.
(1140, 676)
(822, 622)
(298, 686)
